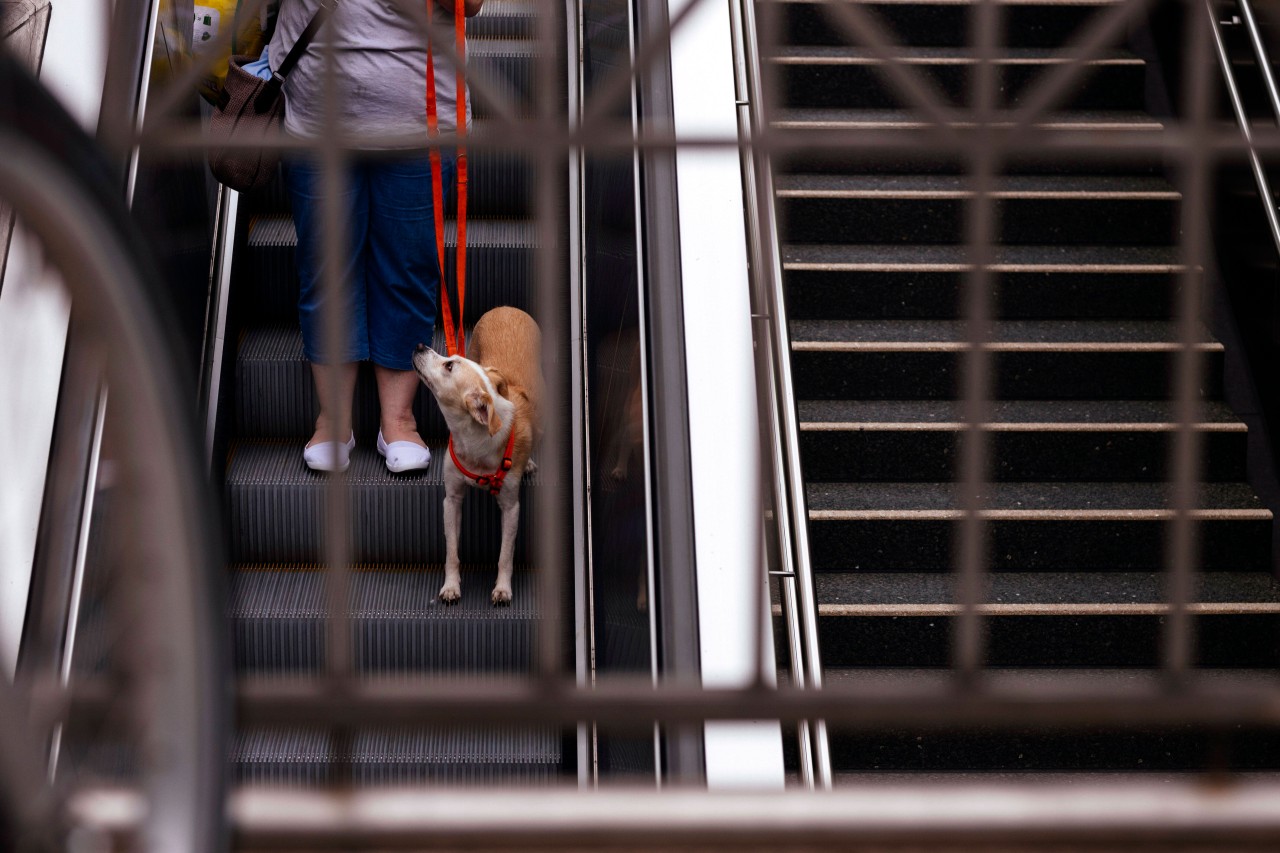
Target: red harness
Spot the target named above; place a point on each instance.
(493, 481)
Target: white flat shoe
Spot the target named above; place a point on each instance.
(403, 455)
(329, 455)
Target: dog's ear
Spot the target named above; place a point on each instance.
(499, 381)
(481, 407)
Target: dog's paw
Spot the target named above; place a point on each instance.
(530, 467)
(501, 596)
(450, 593)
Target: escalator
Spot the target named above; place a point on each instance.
(275, 505)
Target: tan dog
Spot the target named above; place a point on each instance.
(490, 402)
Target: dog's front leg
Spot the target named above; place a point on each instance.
(509, 503)
(453, 491)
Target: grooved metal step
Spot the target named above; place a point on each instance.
(499, 266)
(277, 615)
(452, 756)
(276, 509)
(276, 397)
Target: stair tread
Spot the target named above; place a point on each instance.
(280, 343)
(1012, 332)
(965, 2)
(279, 463)
(277, 230)
(955, 186)
(1047, 681)
(426, 745)
(954, 258)
(408, 591)
(835, 117)
(1052, 498)
(868, 414)
(842, 55)
(902, 593)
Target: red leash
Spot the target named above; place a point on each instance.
(454, 337)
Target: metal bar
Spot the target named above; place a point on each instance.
(1090, 144)
(631, 702)
(777, 393)
(1181, 553)
(553, 508)
(673, 543)
(228, 211)
(1260, 52)
(1246, 130)
(1107, 815)
(968, 646)
(579, 403)
(334, 164)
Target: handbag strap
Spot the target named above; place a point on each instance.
(267, 97)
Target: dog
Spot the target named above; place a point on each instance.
(490, 402)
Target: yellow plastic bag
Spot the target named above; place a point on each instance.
(248, 39)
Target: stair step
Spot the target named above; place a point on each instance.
(1039, 23)
(276, 509)
(1080, 756)
(930, 210)
(276, 396)
(947, 187)
(453, 756)
(853, 78)
(506, 66)
(1013, 593)
(277, 615)
(883, 119)
(1107, 527)
(499, 19)
(1005, 259)
(843, 359)
(499, 266)
(919, 440)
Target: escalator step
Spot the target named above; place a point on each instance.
(277, 616)
(398, 756)
(500, 259)
(276, 509)
(275, 393)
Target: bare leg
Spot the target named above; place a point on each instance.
(330, 405)
(453, 488)
(509, 503)
(396, 390)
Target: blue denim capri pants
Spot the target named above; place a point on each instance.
(391, 280)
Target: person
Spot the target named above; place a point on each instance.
(391, 273)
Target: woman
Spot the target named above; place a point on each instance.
(391, 276)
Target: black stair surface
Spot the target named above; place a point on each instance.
(1085, 270)
(276, 505)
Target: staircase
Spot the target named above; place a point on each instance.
(1086, 270)
(275, 504)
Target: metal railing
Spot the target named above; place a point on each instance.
(1263, 60)
(779, 429)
